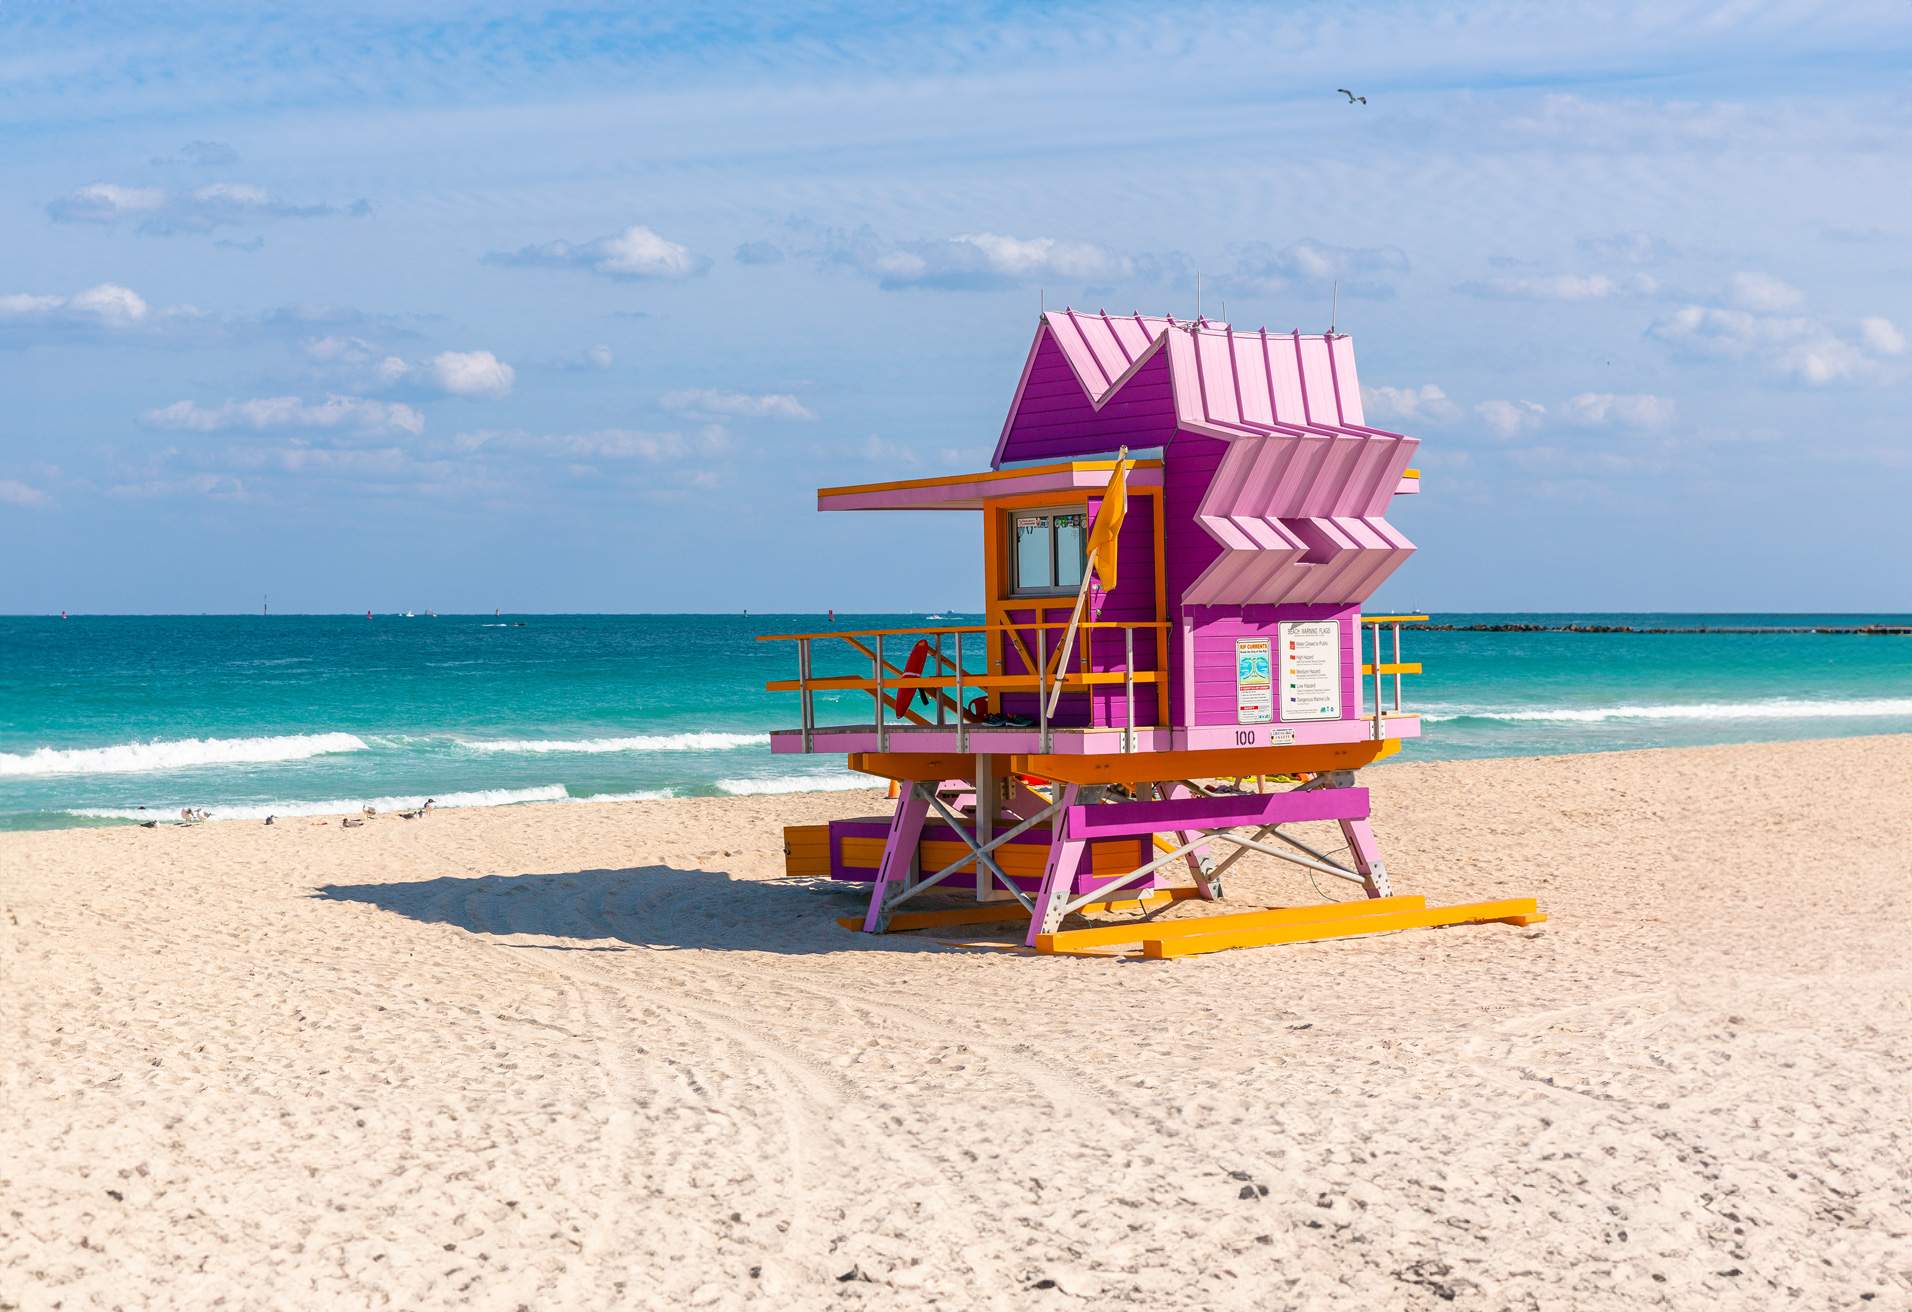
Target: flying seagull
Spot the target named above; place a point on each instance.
(1352, 98)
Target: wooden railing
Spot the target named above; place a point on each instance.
(1377, 669)
(950, 648)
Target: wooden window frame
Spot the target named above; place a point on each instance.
(1048, 514)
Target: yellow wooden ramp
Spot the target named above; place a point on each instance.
(1202, 934)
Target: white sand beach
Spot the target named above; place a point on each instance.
(604, 1056)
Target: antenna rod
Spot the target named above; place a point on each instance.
(1334, 307)
(1198, 296)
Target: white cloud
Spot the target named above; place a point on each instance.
(1634, 247)
(1763, 293)
(637, 252)
(600, 357)
(107, 202)
(1562, 286)
(1629, 409)
(743, 405)
(1511, 418)
(15, 493)
(472, 373)
(202, 209)
(1881, 337)
(606, 444)
(1426, 403)
(1791, 346)
(261, 414)
(979, 261)
(338, 349)
(109, 304)
(1316, 266)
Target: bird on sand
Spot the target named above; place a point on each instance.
(1352, 98)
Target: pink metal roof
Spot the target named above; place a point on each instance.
(1226, 383)
(1297, 501)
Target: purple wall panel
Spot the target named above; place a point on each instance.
(1133, 600)
(1217, 628)
(1055, 418)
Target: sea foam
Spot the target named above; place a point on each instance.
(337, 806)
(176, 754)
(644, 742)
(1774, 709)
(795, 783)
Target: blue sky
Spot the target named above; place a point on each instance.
(484, 307)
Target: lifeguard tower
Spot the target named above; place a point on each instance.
(1180, 524)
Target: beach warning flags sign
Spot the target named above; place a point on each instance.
(1108, 524)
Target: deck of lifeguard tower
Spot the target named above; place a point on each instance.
(1179, 527)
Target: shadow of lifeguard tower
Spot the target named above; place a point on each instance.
(1180, 525)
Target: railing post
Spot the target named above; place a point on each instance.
(1377, 681)
(804, 695)
(1128, 687)
(1397, 672)
(962, 718)
(876, 673)
(942, 707)
(1042, 681)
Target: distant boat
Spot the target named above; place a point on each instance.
(410, 616)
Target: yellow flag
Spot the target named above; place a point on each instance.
(1108, 525)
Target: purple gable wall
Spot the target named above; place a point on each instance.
(1132, 601)
(1054, 418)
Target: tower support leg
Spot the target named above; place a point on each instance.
(1201, 861)
(1058, 876)
(1367, 857)
(899, 853)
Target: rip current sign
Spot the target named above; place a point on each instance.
(1310, 670)
(1254, 682)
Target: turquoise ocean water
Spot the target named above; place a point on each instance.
(257, 715)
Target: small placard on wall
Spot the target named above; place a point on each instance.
(1254, 683)
(1310, 670)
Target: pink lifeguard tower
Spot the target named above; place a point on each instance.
(1180, 524)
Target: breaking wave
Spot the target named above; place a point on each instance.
(337, 806)
(1775, 709)
(644, 742)
(177, 754)
(795, 783)
(642, 795)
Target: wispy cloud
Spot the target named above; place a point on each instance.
(1788, 346)
(1427, 403)
(637, 253)
(1561, 286)
(159, 212)
(1763, 293)
(1630, 410)
(615, 444)
(262, 414)
(23, 495)
(979, 261)
(1510, 419)
(1316, 267)
(739, 405)
(200, 154)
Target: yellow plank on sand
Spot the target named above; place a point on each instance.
(1068, 940)
(1512, 910)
